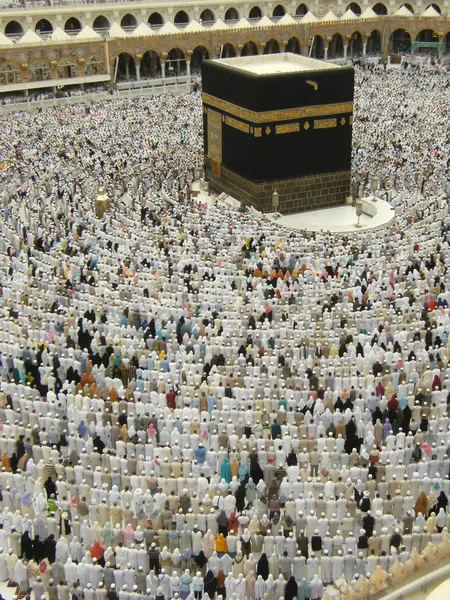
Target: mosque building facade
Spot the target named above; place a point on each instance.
(45, 46)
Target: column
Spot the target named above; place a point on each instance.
(138, 66)
(385, 46)
(325, 53)
(364, 49)
(163, 69)
(188, 62)
(345, 51)
(54, 69)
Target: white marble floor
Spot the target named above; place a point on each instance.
(340, 219)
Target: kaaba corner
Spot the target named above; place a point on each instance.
(278, 122)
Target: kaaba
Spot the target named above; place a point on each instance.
(278, 122)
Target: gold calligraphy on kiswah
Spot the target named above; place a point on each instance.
(287, 128)
(325, 123)
(214, 135)
(245, 127)
(277, 116)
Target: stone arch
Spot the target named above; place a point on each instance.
(317, 47)
(126, 70)
(176, 63)
(156, 20)
(336, 46)
(94, 66)
(232, 15)
(207, 16)
(380, 9)
(150, 65)
(72, 25)
(355, 44)
(228, 51)
(436, 7)
(128, 22)
(199, 54)
(43, 26)
(400, 41)
(249, 49)
(67, 69)
(272, 47)
(181, 18)
(279, 11)
(354, 7)
(10, 73)
(374, 43)
(13, 28)
(293, 45)
(255, 13)
(301, 10)
(408, 6)
(39, 71)
(447, 43)
(101, 23)
(427, 35)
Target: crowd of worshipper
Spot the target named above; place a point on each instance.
(197, 403)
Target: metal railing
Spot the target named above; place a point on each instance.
(51, 4)
(131, 89)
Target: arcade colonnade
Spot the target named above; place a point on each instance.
(150, 56)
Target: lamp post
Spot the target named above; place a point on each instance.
(275, 201)
(101, 203)
(374, 186)
(358, 213)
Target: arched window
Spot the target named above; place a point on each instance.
(207, 16)
(278, 12)
(301, 10)
(101, 23)
(255, 13)
(43, 26)
(13, 28)
(128, 22)
(232, 15)
(354, 8)
(72, 25)
(380, 9)
(155, 20)
(181, 18)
